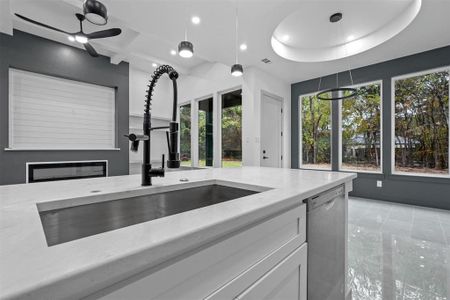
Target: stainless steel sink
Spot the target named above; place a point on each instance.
(71, 223)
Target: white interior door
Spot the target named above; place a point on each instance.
(271, 131)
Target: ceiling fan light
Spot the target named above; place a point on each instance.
(81, 39)
(95, 12)
(237, 70)
(186, 49)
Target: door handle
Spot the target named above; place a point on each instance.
(265, 157)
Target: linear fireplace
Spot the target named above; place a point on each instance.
(64, 170)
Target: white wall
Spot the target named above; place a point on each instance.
(212, 79)
(255, 82)
(161, 109)
(162, 96)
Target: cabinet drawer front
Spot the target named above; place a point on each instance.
(279, 276)
(199, 274)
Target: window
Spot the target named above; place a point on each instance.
(232, 129)
(361, 129)
(185, 135)
(315, 132)
(53, 113)
(421, 119)
(205, 133)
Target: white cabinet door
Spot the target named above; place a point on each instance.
(286, 281)
(253, 251)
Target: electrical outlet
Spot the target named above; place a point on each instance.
(379, 183)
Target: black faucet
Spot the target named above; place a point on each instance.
(172, 135)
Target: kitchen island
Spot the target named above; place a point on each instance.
(210, 252)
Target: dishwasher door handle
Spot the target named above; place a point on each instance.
(325, 198)
(329, 205)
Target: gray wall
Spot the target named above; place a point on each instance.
(424, 191)
(35, 54)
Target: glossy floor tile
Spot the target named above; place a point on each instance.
(398, 252)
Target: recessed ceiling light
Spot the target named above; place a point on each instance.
(154, 65)
(173, 52)
(71, 38)
(243, 47)
(81, 39)
(286, 38)
(195, 20)
(350, 38)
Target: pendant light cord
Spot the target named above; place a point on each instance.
(342, 92)
(186, 21)
(236, 33)
(346, 54)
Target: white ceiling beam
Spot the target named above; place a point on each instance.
(133, 56)
(6, 23)
(117, 58)
(130, 37)
(76, 3)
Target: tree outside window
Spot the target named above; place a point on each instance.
(185, 135)
(361, 130)
(315, 132)
(421, 133)
(232, 129)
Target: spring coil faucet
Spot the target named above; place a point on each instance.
(172, 135)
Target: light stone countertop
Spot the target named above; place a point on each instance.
(29, 269)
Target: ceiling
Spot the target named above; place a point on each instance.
(152, 28)
(359, 27)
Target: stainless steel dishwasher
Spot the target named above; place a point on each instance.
(326, 237)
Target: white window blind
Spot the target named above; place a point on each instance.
(47, 112)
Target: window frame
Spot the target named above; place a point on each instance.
(378, 81)
(219, 122)
(300, 130)
(196, 111)
(217, 125)
(406, 76)
(184, 103)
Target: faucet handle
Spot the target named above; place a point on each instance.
(134, 142)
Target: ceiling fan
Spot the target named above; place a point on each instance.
(80, 36)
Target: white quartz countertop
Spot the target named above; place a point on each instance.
(30, 269)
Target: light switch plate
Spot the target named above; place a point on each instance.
(379, 183)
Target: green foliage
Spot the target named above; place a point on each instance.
(185, 132)
(232, 133)
(361, 128)
(316, 130)
(421, 121)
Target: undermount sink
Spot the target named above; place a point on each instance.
(72, 223)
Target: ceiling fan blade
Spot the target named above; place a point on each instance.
(104, 33)
(90, 50)
(43, 25)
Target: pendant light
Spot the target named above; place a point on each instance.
(185, 48)
(95, 12)
(340, 91)
(236, 69)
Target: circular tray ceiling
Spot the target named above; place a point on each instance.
(307, 35)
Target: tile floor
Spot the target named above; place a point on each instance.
(398, 252)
